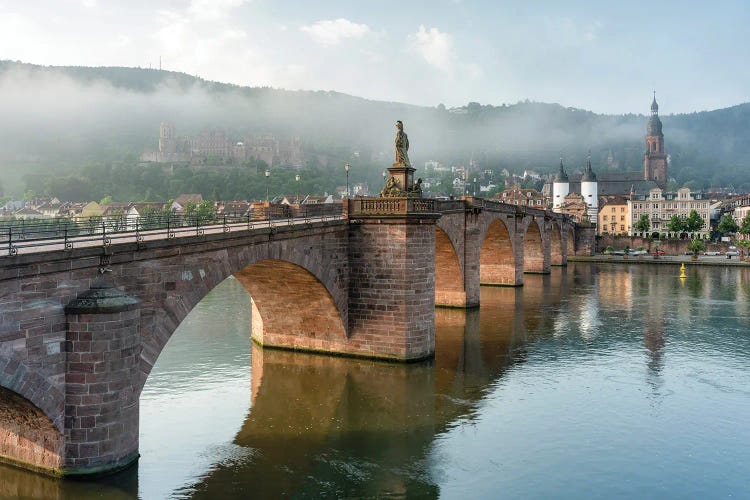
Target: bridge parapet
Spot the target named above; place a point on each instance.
(390, 206)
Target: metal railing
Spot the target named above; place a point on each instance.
(35, 235)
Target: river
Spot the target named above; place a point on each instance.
(597, 381)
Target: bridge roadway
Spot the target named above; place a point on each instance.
(78, 345)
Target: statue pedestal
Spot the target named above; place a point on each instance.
(404, 176)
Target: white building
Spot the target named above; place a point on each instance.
(560, 188)
(589, 191)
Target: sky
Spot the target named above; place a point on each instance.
(605, 56)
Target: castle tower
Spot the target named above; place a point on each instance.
(590, 191)
(560, 188)
(655, 159)
(167, 139)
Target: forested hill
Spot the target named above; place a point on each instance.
(65, 116)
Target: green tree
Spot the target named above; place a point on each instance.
(745, 225)
(694, 222)
(675, 225)
(643, 224)
(727, 224)
(744, 245)
(696, 246)
(205, 212)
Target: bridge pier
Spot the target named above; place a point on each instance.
(101, 397)
(392, 281)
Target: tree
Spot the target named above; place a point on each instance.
(744, 245)
(205, 212)
(727, 224)
(696, 246)
(643, 224)
(694, 222)
(745, 225)
(675, 225)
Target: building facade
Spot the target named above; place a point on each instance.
(614, 216)
(522, 197)
(660, 206)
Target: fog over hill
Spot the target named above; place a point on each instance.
(64, 117)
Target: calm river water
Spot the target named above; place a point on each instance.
(594, 382)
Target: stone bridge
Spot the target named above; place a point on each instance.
(81, 328)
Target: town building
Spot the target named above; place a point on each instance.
(654, 175)
(660, 206)
(575, 206)
(522, 197)
(614, 215)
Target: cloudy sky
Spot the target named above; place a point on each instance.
(606, 56)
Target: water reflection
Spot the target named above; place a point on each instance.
(610, 381)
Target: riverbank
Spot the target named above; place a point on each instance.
(703, 260)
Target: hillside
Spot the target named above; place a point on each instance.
(63, 117)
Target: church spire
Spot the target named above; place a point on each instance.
(561, 175)
(654, 106)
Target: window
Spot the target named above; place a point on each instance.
(622, 210)
(622, 218)
(613, 209)
(605, 218)
(622, 228)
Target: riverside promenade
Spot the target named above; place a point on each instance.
(703, 260)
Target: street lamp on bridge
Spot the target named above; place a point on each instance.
(347, 167)
(297, 178)
(268, 174)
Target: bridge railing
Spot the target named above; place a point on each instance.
(35, 235)
(390, 206)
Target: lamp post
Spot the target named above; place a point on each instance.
(347, 167)
(296, 178)
(268, 174)
(475, 186)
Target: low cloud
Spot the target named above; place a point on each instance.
(333, 32)
(435, 47)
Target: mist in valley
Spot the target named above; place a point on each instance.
(59, 120)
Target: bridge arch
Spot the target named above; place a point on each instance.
(449, 280)
(27, 434)
(497, 262)
(299, 295)
(533, 249)
(19, 378)
(557, 257)
(288, 303)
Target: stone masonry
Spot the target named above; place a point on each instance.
(76, 348)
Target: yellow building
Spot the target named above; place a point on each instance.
(614, 215)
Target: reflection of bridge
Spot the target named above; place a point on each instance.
(76, 349)
(379, 420)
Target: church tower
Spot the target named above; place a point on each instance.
(655, 159)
